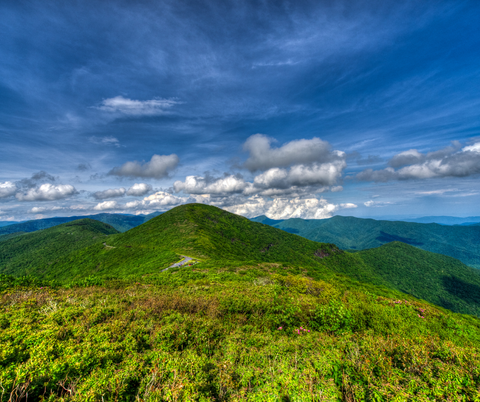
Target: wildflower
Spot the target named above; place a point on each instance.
(280, 328)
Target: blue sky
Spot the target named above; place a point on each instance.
(289, 109)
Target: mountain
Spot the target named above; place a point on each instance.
(349, 233)
(217, 237)
(33, 253)
(120, 222)
(208, 234)
(445, 220)
(439, 279)
(6, 223)
(260, 304)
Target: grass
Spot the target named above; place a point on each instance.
(33, 253)
(211, 339)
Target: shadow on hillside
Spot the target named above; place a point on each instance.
(387, 238)
(468, 292)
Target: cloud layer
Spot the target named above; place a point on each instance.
(411, 164)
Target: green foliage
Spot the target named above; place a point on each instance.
(217, 339)
(434, 277)
(120, 222)
(33, 253)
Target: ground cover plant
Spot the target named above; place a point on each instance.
(227, 334)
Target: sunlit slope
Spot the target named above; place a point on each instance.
(206, 233)
(439, 279)
(33, 253)
(460, 242)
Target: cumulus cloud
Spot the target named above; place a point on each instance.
(298, 152)
(275, 181)
(209, 185)
(325, 174)
(7, 189)
(107, 205)
(286, 208)
(409, 157)
(47, 192)
(139, 189)
(109, 193)
(41, 210)
(158, 167)
(131, 107)
(159, 200)
(448, 162)
(108, 140)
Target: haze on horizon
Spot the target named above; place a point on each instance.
(278, 108)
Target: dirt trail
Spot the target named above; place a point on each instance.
(180, 263)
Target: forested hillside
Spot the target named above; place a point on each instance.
(348, 233)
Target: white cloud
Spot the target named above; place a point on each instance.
(372, 203)
(159, 200)
(158, 167)
(131, 107)
(109, 140)
(47, 192)
(107, 205)
(162, 199)
(201, 185)
(447, 162)
(7, 189)
(109, 193)
(139, 189)
(336, 189)
(297, 152)
(41, 210)
(325, 174)
(286, 208)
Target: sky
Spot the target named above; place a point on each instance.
(303, 109)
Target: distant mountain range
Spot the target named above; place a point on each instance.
(120, 222)
(84, 248)
(348, 233)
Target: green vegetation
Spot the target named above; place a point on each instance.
(231, 334)
(219, 238)
(442, 280)
(348, 233)
(33, 253)
(120, 222)
(263, 315)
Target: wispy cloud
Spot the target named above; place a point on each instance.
(108, 141)
(132, 107)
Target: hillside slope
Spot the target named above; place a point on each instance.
(439, 279)
(206, 233)
(33, 253)
(460, 242)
